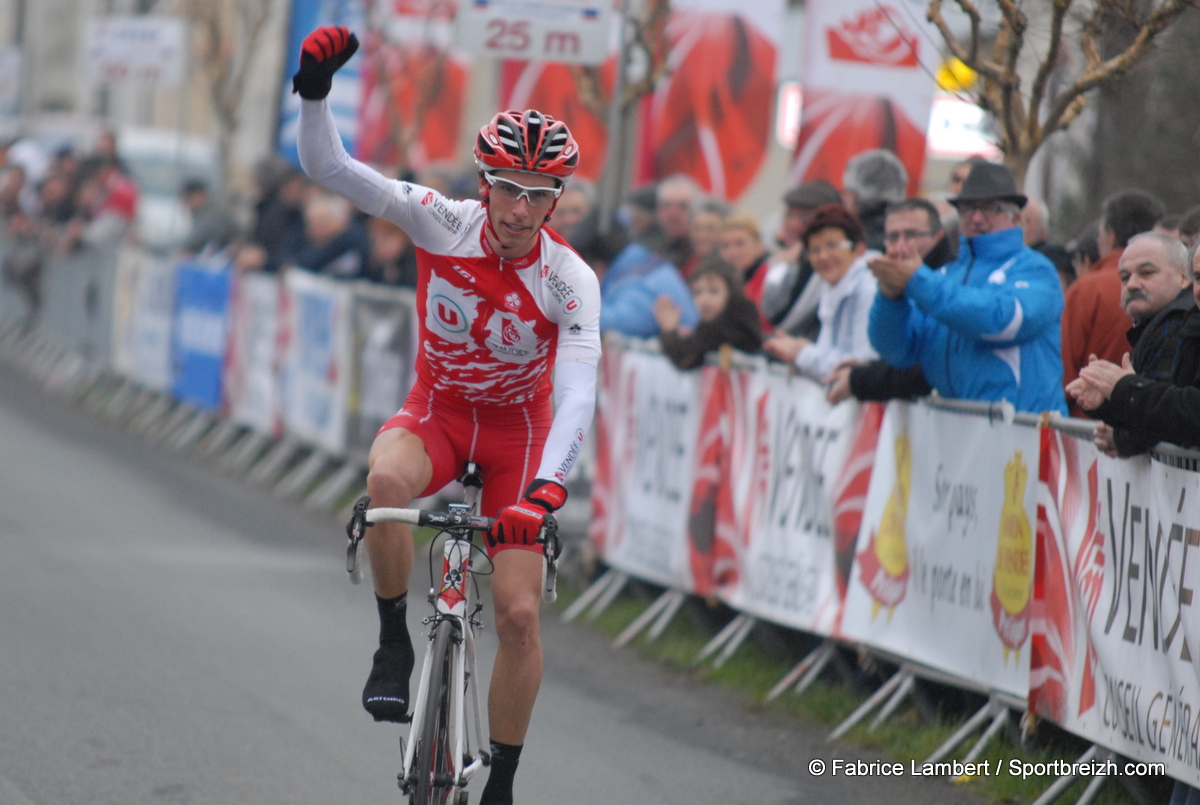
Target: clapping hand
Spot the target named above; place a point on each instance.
(1103, 438)
(785, 347)
(837, 385)
(667, 314)
(1097, 380)
(893, 273)
(1103, 375)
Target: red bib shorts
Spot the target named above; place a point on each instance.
(505, 441)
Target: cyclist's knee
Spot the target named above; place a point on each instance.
(389, 486)
(517, 622)
(399, 468)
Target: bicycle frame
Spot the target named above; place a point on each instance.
(452, 603)
(451, 599)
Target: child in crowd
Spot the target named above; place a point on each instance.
(726, 316)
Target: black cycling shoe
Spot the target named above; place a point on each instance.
(385, 696)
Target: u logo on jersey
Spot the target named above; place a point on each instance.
(448, 314)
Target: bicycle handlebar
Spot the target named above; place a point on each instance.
(431, 519)
(363, 517)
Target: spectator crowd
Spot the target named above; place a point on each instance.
(882, 296)
(870, 292)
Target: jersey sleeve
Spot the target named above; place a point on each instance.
(433, 222)
(574, 406)
(570, 295)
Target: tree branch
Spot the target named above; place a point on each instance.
(1099, 72)
(1007, 51)
(1037, 92)
(650, 35)
(591, 91)
(253, 15)
(970, 55)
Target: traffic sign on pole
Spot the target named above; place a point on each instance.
(573, 31)
(147, 50)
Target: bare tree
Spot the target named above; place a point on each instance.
(649, 47)
(1027, 115)
(226, 37)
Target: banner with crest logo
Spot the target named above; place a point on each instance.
(1116, 635)
(943, 570)
(868, 83)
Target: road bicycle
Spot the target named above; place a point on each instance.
(439, 758)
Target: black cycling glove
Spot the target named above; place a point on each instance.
(322, 54)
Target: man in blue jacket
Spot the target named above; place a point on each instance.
(985, 326)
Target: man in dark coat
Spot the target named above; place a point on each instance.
(1145, 400)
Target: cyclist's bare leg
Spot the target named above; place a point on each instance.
(399, 469)
(517, 675)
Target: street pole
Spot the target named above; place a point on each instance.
(614, 170)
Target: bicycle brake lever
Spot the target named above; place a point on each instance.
(548, 537)
(551, 548)
(356, 529)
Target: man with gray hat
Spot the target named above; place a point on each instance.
(985, 326)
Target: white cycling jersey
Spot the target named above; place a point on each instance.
(491, 330)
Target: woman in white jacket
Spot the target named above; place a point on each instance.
(837, 249)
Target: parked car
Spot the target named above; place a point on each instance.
(160, 161)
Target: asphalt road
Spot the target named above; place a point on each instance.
(169, 635)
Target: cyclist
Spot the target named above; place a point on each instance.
(503, 303)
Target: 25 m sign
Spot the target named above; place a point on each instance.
(573, 31)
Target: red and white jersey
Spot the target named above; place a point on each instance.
(492, 329)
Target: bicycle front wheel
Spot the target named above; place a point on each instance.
(431, 762)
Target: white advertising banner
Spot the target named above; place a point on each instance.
(315, 371)
(651, 443)
(943, 571)
(142, 320)
(251, 390)
(1117, 637)
(385, 338)
(787, 447)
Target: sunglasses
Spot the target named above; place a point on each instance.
(906, 234)
(966, 208)
(511, 191)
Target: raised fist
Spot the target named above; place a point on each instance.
(322, 54)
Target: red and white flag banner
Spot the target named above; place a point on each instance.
(787, 448)
(645, 465)
(947, 546)
(868, 83)
(1116, 636)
